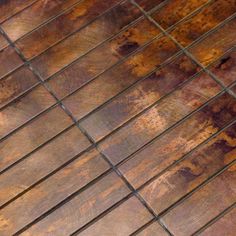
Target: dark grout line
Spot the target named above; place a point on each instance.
(143, 227)
(215, 219)
(72, 33)
(65, 200)
(50, 19)
(185, 156)
(28, 6)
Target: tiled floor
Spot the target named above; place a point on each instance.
(118, 117)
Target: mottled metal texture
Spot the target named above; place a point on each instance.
(117, 117)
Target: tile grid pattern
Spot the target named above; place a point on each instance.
(94, 143)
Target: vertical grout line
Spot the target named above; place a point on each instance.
(185, 51)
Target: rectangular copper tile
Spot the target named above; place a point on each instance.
(153, 230)
(10, 7)
(42, 162)
(103, 57)
(56, 30)
(120, 77)
(215, 44)
(32, 135)
(55, 189)
(225, 68)
(62, 54)
(193, 171)
(174, 11)
(167, 149)
(203, 205)
(123, 220)
(3, 42)
(118, 111)
(81, 209)
(9, 61)
(33, 16)
(149, 4)
(16, 84)
(157, 119)
(24, 109)
(224, 226)
(209, 17)
(234, 89)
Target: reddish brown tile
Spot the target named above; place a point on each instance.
(153, 230)
(11, 7)
(193, 171)
(224, 226)
(215, 44)
(225, 68)
(120, 77)
(33, 135)
(42, 162)
(9, 61)
(118, 111)
(24, 109)
(167, 149)
(3, 42)
(50, 192)
(97, 61)
(174, 11)
(83, 13)
(154, 121)
(56, 58)
(80, 210)
(16, 84)
(209, 17)
(123, 220)
(203, 205)
(33, 16)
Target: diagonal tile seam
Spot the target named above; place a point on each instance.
(50, 19)
(214, 220)
(147, 15)
(130, 24)
(102, 105)
(24, 8)
(122, 200)
(143, 227)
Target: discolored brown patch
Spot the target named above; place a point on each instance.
(205, 20)
(68, 23)
(101, 58)
(138, 98)
(215, 44)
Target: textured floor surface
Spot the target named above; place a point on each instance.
(118, 117)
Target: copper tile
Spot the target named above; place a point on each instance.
(64, 25)
(81, 209)
(157, 119)
(154, 229)
(203, 205)
(41, 163)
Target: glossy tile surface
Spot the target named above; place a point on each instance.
(106, 122)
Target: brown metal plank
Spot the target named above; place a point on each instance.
(32, 135)
(16, 84)
(24, 109)
(120, 77)
(203, 205)
(103, 57)
(193, 171)
(123, 220)
(157, 119)
(41, 163)
(42, 38)
(78, 211)
(30, 18)
(132, 102)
